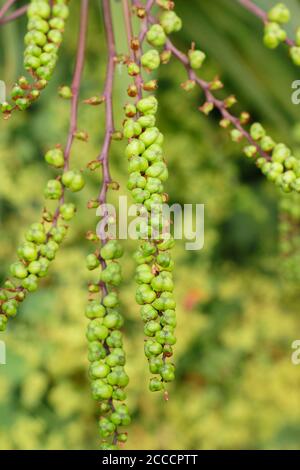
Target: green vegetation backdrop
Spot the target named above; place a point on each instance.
(236, 387)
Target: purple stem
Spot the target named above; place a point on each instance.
(13, 16)
(6, 6)
(109, 126)
(75, 94)
(261, 14)
(218, 104)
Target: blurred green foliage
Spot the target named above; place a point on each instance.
(236, 386)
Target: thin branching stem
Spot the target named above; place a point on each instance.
(262, 15)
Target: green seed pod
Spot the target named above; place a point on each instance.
(30, 283)
(156, 36)
(101, 390)
(145, 295)
(111, 300)
(144, 274)
(55, 36)
(18, 270)
(148, 105)
(73, 180)
(61, 10)
(137, 164)
(57, 23)
(53, 190)
(3, 322)
(92, 262)
(67, 211)
(167, 373)
(10, 307)
(279, 13)
(149, 136)
(39, 24)
(196, 58)
(95, 310)
(111, 250)
(151, 59)
(147, 121)
(134, 148)
(39, 9)
(55, 157)
(170, 22)
(257, 131)
(99, 370)
(295, 55)
(96, 330)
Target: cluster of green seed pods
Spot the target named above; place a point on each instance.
(105, 345)
(42, 239)
(278, 164)
(45, 29)
(274, 34)
(147, 175)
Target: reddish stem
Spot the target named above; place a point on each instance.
(6, 6)
(109, 126)
(13, 16)
(75, 94)
(261, 14)
(218, 104)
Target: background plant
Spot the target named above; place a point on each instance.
(215, 354)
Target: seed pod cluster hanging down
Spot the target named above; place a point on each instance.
(45, 29)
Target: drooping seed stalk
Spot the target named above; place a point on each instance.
(17, 292)
(106, 356)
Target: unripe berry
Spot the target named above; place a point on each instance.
(31, 62)
(73, 180)
(101, 390)
(111, 300)
(279, 13)
(39, 9)
(3, 322)
(149, 136)
(151, 59)
(155, 385)
(167, 373)
(170, 22)
(30, 283)
(111, 250)
(95, 310)
(196, 58)
(295, 55)
(39, 24)
(28, 251)
(145, 295)
(55, 157)
(280, 153)
(10, 307)
(18, 270)
(250, 151)
(156, 35)
(67, 211)
(148, 105)
(147, 121)
(257, 131)
(133, 69)
(61, 11)
(53, 190)
(92, 262)
(34, 267)
(55, 36)
(134, 148)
